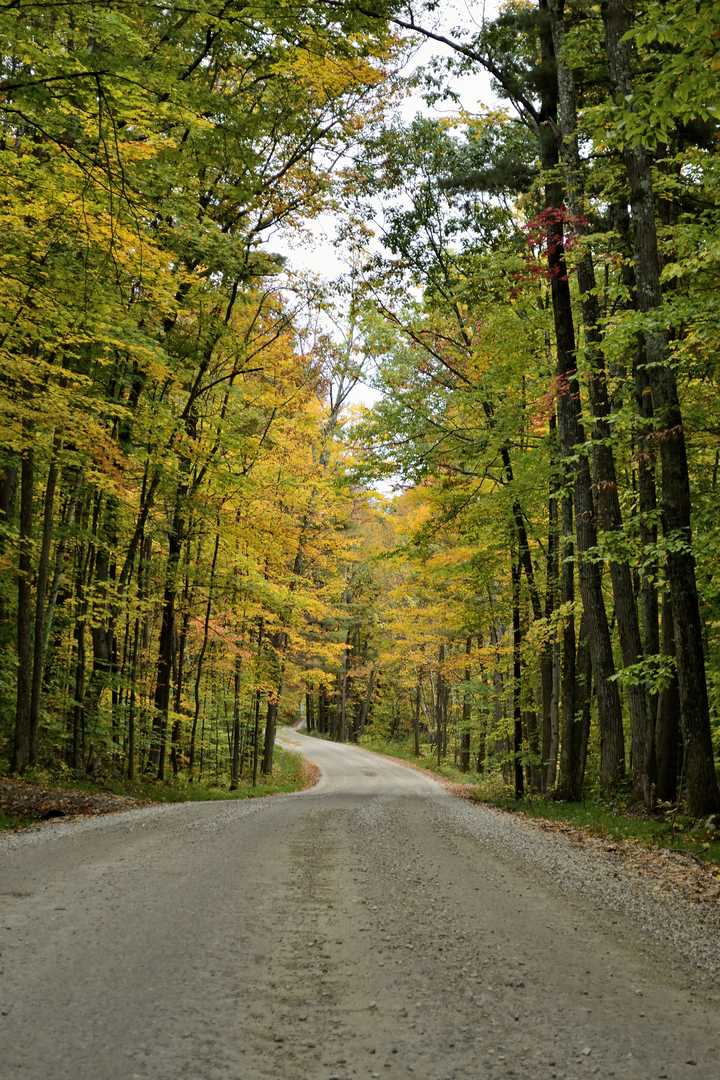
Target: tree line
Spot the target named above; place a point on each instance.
(169, 508)
(540, 311)
(192, 533)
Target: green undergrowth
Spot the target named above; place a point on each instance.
(289, 774)
(11, 821)
(616, 820)
(673, 831)
(427, 761)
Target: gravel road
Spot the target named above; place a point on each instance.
(373, 926)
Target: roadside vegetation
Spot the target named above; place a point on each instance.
(41, 795)
(512, 553)
(618, 819)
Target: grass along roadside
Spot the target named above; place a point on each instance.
(12, 821)
(615, 821)
(41, 796)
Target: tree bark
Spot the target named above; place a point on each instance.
(41, 596)
(235, 764)
(8, 487)
(703, 794)
(548, 744)
(568, 771)
(466, 715)
(256, 739)
(583, 667)
(609, 515)
(22, 744)
(201, 657)
(416, 718)
(573, 446)
(667, 731)
(269, 742)
(519, 780)
(439, 695)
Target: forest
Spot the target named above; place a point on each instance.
(460, 496)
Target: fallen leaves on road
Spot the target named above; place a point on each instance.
(36, 802)
(311, 774)
(670, 870)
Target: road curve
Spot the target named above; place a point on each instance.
(370, 927)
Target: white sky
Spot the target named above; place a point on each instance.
(316, 250)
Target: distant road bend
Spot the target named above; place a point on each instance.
(371, 927)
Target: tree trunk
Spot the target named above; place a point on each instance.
(466, 715)
(609, 515)
(132, 707)
(322, 709)
(548, 746)
(8, 487)
(572, 442)
(256, 739)
(703, 794)
(22, 744)
(667, 731)
(163, 679)
(519, 782)
(583, 667)
(41, 595)
(551, 763)
(279, 645)
(269, 742)
(176, 734)
(569, 771)
(365, 704)
(416, 719)
(201, 658)
(439, 694)
(235, 765)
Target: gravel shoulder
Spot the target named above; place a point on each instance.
(372, 926)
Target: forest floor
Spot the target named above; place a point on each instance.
(670, 847)
(371, 927)
(46, 797)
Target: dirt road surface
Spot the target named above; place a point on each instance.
(373, 926)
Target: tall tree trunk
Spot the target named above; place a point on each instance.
(22, 744)
(703, 794)
(41, 596)
(416, 718)
(572, 441)
(568, 771)
(583, 667)
(163, 679)
(269, 741)
(466, 715)
(551, 763)
(176, 734)
(279, 644)
(605, 480)
(235, 765)
(439, 693)
(322, 709)
(519, 782)
(365, 705)
(132, 706)
(343, 689)
(548, 746)
(667, 731)
(201, 656)
(8, 487)
(256, 738)
(646, 463)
